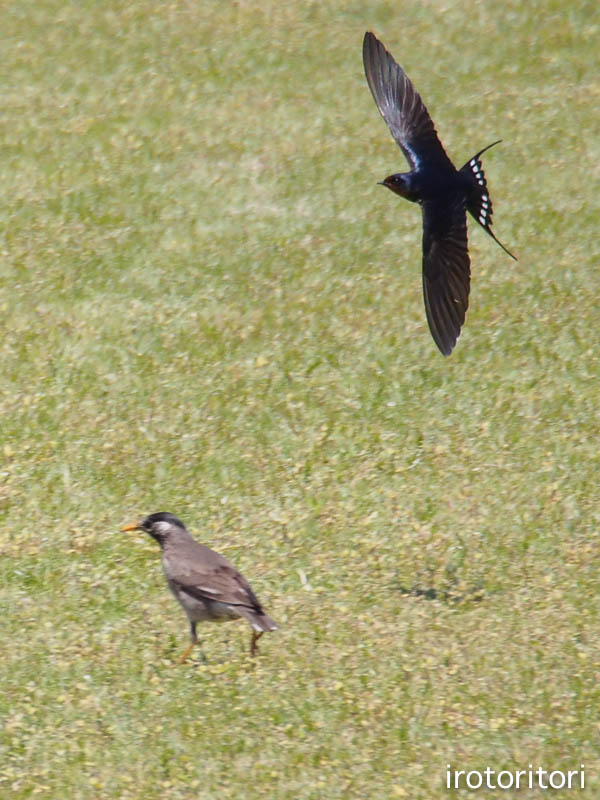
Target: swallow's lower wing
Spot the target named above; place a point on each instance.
(446, 270)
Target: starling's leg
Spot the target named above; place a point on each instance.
(255, 637)
(191, 647)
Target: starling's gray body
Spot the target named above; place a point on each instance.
(206, 585)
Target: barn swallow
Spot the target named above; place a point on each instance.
(444, 193)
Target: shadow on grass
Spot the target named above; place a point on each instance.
(448, 595)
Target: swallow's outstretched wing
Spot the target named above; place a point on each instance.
(401, 107)
(446, 270)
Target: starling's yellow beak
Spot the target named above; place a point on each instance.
(134, 527)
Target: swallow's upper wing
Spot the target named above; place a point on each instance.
(401, 107)
(446, 270)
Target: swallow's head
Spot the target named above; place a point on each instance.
(401, 184)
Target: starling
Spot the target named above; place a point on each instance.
(444, 193)
(206, 585)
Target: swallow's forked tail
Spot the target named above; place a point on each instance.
(479, 203)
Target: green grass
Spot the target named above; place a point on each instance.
(209, 307)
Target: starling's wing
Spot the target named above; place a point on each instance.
(206, 575)
(401, 107)
(446, 272)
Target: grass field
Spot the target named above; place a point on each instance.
(209, 307)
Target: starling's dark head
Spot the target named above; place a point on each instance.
(401, 184)
(160, 526)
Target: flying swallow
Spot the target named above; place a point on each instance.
(444, 193)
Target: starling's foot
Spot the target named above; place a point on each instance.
(255, 637)
(185, 656)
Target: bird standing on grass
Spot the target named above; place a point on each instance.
(206, 585)
(444, 193)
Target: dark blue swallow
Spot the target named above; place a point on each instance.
(444, 193)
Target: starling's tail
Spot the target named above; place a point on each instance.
(479, 204)
(260, 622)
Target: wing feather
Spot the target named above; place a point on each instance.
(216, 580)
(401, 106)
(446, 271)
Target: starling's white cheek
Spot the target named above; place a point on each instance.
(162, 528)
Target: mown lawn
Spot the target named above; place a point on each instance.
(209, 307)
